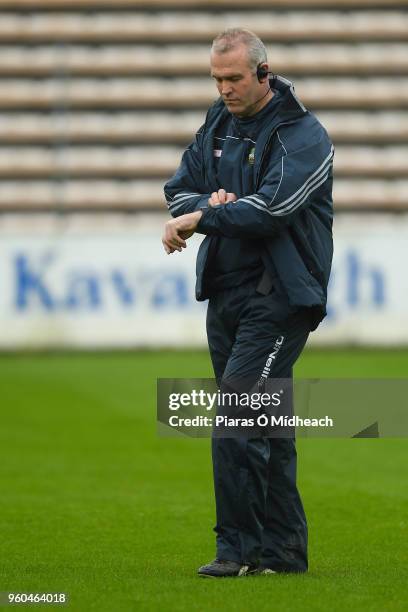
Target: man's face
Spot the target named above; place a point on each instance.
(236, 82)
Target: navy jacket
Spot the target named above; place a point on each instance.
(290, 209)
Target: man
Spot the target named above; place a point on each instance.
(257, 181)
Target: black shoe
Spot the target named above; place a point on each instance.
(220, 568)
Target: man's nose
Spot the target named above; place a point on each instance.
(225, 88)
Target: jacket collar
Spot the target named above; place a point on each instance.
(290, 107)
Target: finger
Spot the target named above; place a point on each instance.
(214, 198)
(169, 243)
(172, 238)
(222, 195)
(180, 244)
(176, 241)
(172, 247)
(231, 197)
(167, 248)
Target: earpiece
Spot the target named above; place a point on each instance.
(261, 72)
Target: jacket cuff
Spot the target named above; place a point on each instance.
(208, 223)
(202, 202)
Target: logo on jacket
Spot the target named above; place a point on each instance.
(251, 156)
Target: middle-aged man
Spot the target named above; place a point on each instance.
(257, 181)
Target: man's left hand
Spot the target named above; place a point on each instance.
(221, 197)
(177, 231)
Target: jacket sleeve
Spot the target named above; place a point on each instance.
(183, 191)
(290, 184)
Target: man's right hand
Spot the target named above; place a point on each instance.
(221, 197)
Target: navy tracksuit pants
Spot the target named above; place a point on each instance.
(259, 513)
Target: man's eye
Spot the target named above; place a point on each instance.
(232, 79)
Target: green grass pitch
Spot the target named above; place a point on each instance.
(93, 503)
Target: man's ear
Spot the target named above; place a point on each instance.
(262, 71)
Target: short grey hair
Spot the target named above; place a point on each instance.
(232, 37)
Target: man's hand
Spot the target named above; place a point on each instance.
(177, 231)
(221, 197)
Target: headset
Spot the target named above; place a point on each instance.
(262, 72)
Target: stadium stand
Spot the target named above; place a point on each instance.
(99, 98)
(180, 60)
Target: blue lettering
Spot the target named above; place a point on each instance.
(172, 291)
(355, 276)
(31, 284)
(125, 293)
(83, 292)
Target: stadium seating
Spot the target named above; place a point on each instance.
(198, 26)
(98, 98)
(155, 161)
(142, 195)
(177, 60)
(172, 127)
(191, 92)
